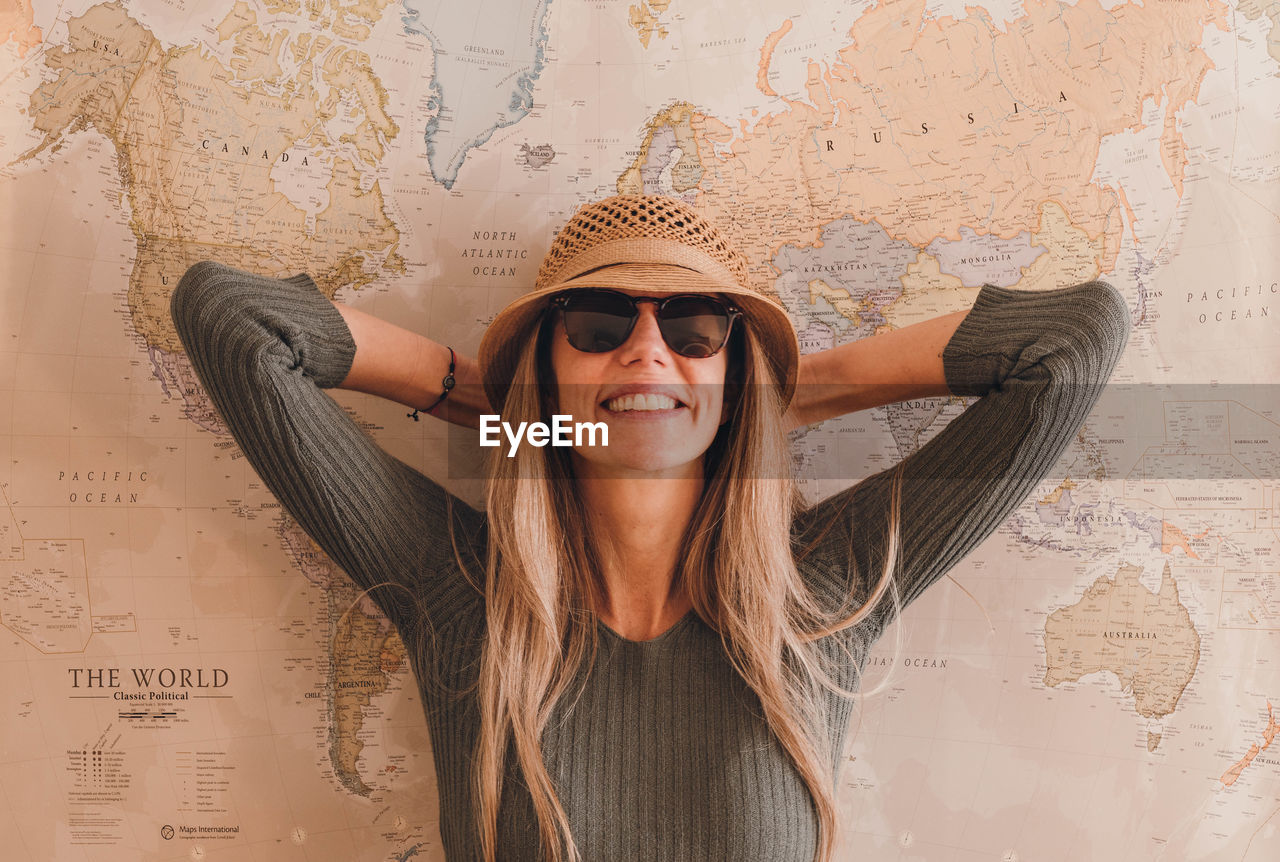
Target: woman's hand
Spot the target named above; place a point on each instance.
(883, 369)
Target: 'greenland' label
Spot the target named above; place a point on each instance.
(562, 431)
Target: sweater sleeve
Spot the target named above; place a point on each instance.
(264, 349)
(1039, 361)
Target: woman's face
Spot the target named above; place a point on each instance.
(669, 440)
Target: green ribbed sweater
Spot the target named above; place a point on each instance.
(666, 755)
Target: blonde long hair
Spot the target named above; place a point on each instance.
(541, 586)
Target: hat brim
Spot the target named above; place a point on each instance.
(514, 325)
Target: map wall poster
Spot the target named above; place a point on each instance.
(186, 676)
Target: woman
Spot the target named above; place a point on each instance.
(645, 650)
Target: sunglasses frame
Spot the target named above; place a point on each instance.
(731, 311)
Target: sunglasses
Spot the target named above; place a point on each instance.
(598, 320)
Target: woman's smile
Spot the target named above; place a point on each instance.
(643, 400)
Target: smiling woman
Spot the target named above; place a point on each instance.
(650, 650)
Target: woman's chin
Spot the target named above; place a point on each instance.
(648, 460)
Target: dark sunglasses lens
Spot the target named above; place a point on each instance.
(694, 326)
(598, 322)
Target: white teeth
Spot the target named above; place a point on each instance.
(641, 401)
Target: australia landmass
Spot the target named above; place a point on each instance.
(1146, 639)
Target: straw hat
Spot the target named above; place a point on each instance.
(642, 242)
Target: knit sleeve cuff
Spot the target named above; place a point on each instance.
(1007, 330)
(331, 348)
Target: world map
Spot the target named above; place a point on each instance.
(189, 676)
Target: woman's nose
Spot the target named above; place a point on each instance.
(646, 337)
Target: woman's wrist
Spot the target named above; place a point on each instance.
(446, 385)
(395, 363)
(467, 400)
(408, 368)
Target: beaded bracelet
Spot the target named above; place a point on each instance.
(447, 383)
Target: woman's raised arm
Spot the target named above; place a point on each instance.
(409, 368)
(883, 369)
(265, 349)
(1039, 359)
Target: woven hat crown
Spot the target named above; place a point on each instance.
(658, 244)
(651, 217)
